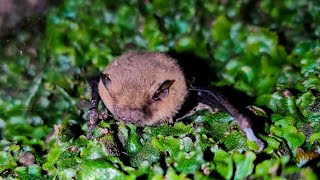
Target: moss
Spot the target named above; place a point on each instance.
(267, 50)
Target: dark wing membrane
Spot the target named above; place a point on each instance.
(214, 98)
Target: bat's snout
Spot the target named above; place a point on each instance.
(130, 115)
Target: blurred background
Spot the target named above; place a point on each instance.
(267, 49)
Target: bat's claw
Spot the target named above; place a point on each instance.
(93, 115)
(104, 114)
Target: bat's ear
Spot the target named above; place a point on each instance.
(163, 90)
(105, 79)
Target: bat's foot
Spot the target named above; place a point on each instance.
(93, 121)
(251, 136)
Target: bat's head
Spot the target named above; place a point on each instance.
(143, 88)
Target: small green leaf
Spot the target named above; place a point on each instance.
(147, 153)
(189, 163)
(314, 137)
(167, 144)
(224, 164)
(171, 174)
(133, 145)
(294, 139)
(220, 29)
(185, 43)
(234, 140)
(94, 150)
(178, 129)
(272, 143)
(244, 164)
(99, 169)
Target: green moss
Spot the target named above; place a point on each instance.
(266, 49)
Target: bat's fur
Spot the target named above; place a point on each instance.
(134, 79)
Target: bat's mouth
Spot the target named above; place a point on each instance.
(130, 119)
(135, 116)
(138, 123)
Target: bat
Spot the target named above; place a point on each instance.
(150, 88)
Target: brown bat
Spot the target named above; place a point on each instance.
(148, 88)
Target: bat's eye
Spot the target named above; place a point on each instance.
(163, 90)
(105, 79)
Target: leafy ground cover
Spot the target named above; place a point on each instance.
(268, 50)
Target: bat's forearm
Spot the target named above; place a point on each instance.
(93, 107)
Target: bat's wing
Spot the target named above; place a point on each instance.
(215, 99)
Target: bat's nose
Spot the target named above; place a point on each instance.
(126, 118)
(130, 115)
